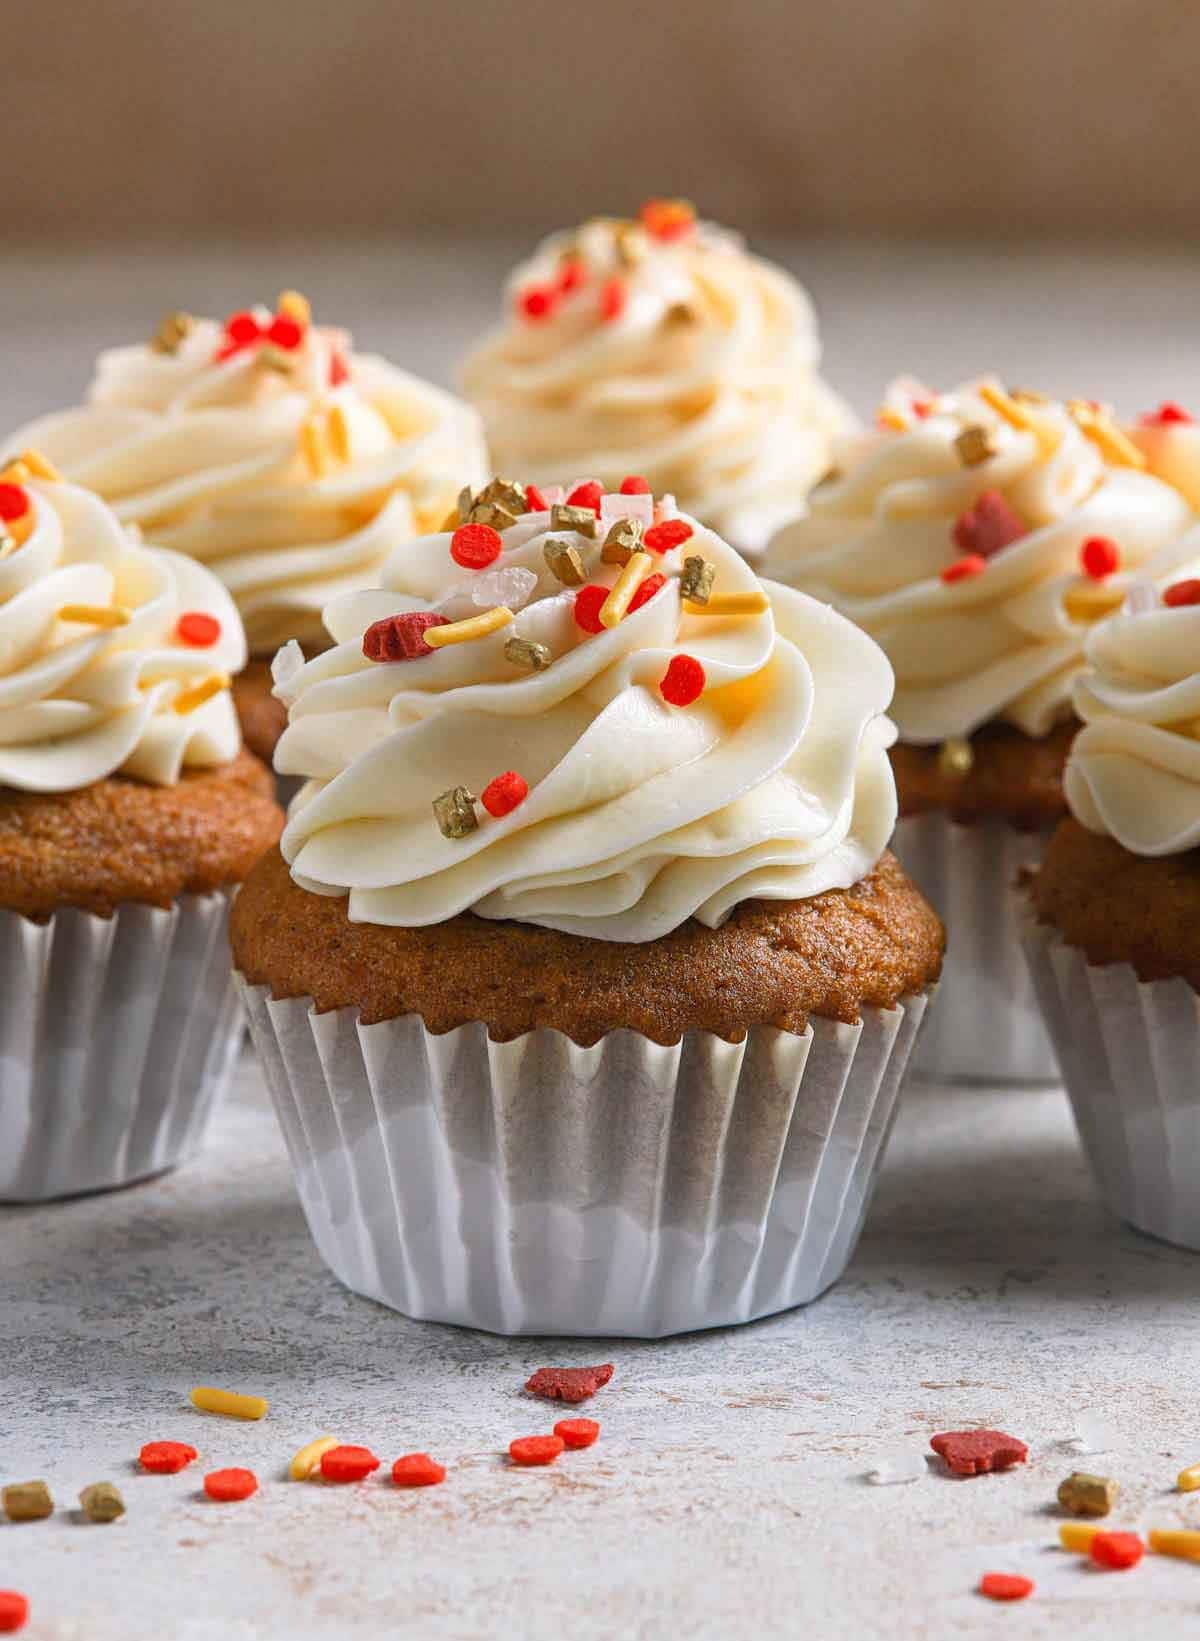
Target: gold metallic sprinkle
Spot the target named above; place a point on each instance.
(490, 512)
(101, 1502)
(454, 811)
(463, 632)
(295, 306)
(524, 653)
(339, 434)
(564, 562)
(506, 493)
(956, 756)
(639, 566)
(1181, 1542)
(1085, 1495)
(27, 1501)
(187, 701)
(314, 445)
(307, 1462)
(171, 332)
(466, 500)
(681, 313)
(624, 538)
(697, 579)
(96, 615)
(974, 445)
(753, 603)
(38, 466)
(580, 519)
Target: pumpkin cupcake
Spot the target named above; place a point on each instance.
(1112, 915)
(978, 535)
(661, 346)
(271, 451)
(127, 811)
(583, 980)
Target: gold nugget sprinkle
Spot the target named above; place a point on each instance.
(623, 538)
(466, 500)
(697, 579)
(27, 1501)
(974, 445)
(314, 446)
(564, 562)
(101, 1502)
(506, 493)
(463, 632)
(490, 512)
(580, 519)
(524, 653)
(752, 603)
(96, 615)
(680, 313)
(454, 811)
(295, 306)
(638, 567)
(1085, 1495)
(956, 756)
(188, 700)
(1113, 444)
(172, 330)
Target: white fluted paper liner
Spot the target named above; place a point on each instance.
(1130, 1055)
(539, 1187)
(117, 1036)
(987, 1026)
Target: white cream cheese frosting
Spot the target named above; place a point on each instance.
(957, 534)
(96, 675)
(290, 471)
(773, 782)
(1134, 769)
(673, 354)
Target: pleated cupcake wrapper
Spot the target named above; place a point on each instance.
(1130, 1055)
(987, 1026)
(539, 1187)
(117, 1035)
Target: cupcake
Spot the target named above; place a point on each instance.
(1112, 915)
(978, 535)
(127, 810)
(660, 346)
(582, 979)
(270, 451)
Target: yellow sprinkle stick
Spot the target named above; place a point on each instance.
(339, 434)
(1113, 444)
(637, 567)
(229, 1403)
(295, 306)
(16, 471)
(1019, 416)
(187, 701)
(462, 632)
(1188, 1480)
(752, 603)
(1175, 1541)
(314, 446)
(1078, 1535)
(307, 1462)
(887, 417)
(96, 615)
(38, 466)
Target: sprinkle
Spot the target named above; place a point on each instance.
(227, 1486)
(1097, 425)
(524, 653)
(344, 1464)
(1167, 414)
(647, 590)
(589, 494)
(506, 493)
(680, 313)
(537, 502)
(569, 1384)
(1089, 600)
(307, 1462)
(635, 485)
(242, 328)
(615, 606)
(475, 546)
(962, 568)
(564, 562)
(475, 626)
(285, 333)
(96, 615)
(622, 541)
(454, 811)
(671, 533)
(572, 273)
(27, 1501)
(1015, 413)
(613, 296)
(1005, 1586)
(1099, 557)
(166, 1458)
(668, 218)
(956, 756)
(577, 1433)
(172, 331)
(754, 602)
(1181, 593)
(339, 369)
(891, 420)
(697, 579)
(1086, 1495)
(338, 432)
(589, 601)
(38, 466)
(683, 682)
(417, 1470)
(14, 502)
(538, 301)
(1077, 1536)
(187, 701)
(972, 1452)
(568, 517)
(466, 501)
(1116, 1550)
(198, 629)
(492, 514)
(1176, 1541)
(529, 1450)
(974, 445)
(314, 446)
(101, 1502)
(291, 305)
(229, 1403)
(14, 1611)
(1188, 1480)
(504, 794)
(989, 526)
(401, 637)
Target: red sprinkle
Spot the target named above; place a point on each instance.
(646, 591)
(504, 794)
(613, 296)
(1167, 413)
(538, 301)
(972, 1452)
(14, 1611)
(167, 1458)
(683, 682)
(417, 1470)
(535, 1449)
(589, 494)
(1116, 1550)
(1181, 593)
(1005, 1586)
(667, 218)
(989, 526)
(475, 546)
(577, 1432)
(197, 628)
(588, 602)
(14, 502)
(1099, 557)
(242, 329)
(285, 332)
(348, 1463)
(671, 533)
(570, 1384)
(537, 502)
(339, 370)
(964, 567)
(572, 273)
(228, 1485)
(635, 485)
(398, 637)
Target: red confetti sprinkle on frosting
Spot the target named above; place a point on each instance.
(1167, 413)
(989, 526)
(198, 628)
(962, 568)
(537, 502)
(589, 494)
(646, 591)
(1182, 593)
(1099, 557)
(475, 546)
(572, 273)
(501, 796)
(398, 637)
(683, 682)
(538, 301)
(614, 294)
(665, 537)
(635, 485)
(588, 602)
(14, 502)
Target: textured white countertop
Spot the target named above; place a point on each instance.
(726, 1497)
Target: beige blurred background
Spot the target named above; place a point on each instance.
(1009, 117)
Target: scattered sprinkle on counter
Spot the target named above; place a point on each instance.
(417, 1470)
(1117, 1551)
(1086, 1495)
(229, 1403)
(577, 1433)
(1176, 1541)
(101, 1502)
(227, 1486)
(14, 1611)
(347, 1463)
(975, 1452)
(27, 1501)
(534, 1450)
(1005, 1586)
(166, 1458)
(569, 1384)
(307, 1462)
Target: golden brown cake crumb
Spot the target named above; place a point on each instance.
(262, 717)
(1013, 777)
(1119, 907)
(121, 839)
(772, 963)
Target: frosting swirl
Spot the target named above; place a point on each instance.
(774, 783)
(955, 535)
(1134, 769)
(290, 471)
(95, 677)
(678, 357)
